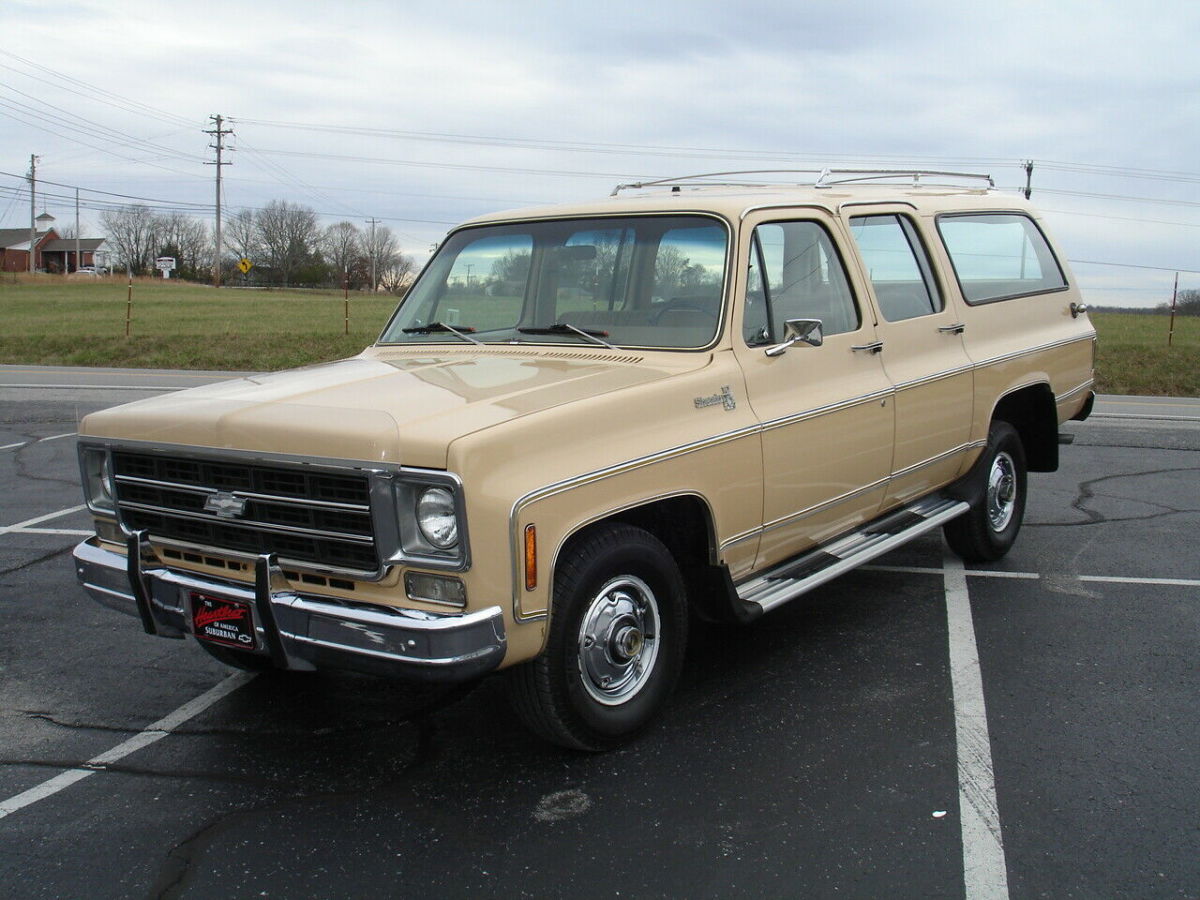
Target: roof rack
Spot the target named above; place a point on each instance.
(824, 178)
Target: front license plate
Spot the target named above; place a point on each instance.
(223, 621)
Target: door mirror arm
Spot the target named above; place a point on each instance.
(798, 331)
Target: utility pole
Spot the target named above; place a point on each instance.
(1028, 178)
(374, 253)
(78, 259)
(32, 208)
(219, 133)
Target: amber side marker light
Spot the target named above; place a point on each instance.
(531, 574)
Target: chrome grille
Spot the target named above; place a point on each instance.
(302, 514)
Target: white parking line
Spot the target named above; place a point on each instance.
(22, 526)
(985, 871)
(1034, 576)
(156, 732)
(53, 437)
(99, 387)
(70, 532)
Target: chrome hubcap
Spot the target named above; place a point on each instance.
(1001, 492)
(618, 640)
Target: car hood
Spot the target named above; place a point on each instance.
(396, 407)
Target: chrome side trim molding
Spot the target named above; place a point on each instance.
(1033, 351)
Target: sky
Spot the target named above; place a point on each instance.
(421, 115)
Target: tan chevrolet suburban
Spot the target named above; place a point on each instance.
(585, 424)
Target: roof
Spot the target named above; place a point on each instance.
(16, 238)
(69, 244)
(734, 200)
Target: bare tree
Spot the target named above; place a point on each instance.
(187, 240)
(240, 235)
(343, 248)
(133, 232)
(288, 234)
(398, 273)
(379, 246)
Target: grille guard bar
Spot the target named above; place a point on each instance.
(298, 631)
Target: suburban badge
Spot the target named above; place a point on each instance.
(725, 399)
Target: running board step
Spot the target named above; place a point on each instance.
(790, 579)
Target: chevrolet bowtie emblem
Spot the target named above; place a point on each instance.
(226, 506)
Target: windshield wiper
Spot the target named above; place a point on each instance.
(567, 328)
(443, 328)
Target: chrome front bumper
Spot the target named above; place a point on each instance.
(295, 630)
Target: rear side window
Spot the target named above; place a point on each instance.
(999, 255)
(897, 266)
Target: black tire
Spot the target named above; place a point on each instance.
(988, 530)
(618, 629)
(238, 659)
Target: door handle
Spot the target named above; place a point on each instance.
(1077, 308)
(956, 328)
(873, 347)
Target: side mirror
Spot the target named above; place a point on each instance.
(798, 331)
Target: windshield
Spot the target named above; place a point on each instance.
(636, 281)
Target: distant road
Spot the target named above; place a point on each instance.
(84, 382)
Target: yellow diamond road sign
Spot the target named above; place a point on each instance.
(245, 265)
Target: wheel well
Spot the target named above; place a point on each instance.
(1033, 413)
(685, 525)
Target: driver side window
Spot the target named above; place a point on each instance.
(795, 273)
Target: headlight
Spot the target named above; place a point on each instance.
(98, 483)
(437, 517)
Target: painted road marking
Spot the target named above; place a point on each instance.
(53, 437)
(21, 526)
(1166, 418)
(156, 732)
(97, 387)
(77, 532)
(985, 872)
(1034, 576)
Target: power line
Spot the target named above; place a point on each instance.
(1092, 262)
(199, 206)
(92, 92)
(92, 129)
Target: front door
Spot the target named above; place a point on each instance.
(826, 411)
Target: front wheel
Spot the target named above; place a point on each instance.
(618, 629)
(989, 528)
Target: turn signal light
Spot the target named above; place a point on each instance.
(531, 574)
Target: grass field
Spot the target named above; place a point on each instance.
(49, 320)
(1134, 357)
(81, 322)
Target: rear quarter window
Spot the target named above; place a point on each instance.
(998, 256)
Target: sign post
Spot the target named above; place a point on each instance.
(165, 264)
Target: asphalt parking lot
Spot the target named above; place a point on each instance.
(1029, 729)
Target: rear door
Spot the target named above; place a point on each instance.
(923, 353)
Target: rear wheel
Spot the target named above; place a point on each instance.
(989, 528)
(618, 629)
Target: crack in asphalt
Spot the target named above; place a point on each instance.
(1087, 492)
(145, 771)
(33, 562)
(22, 465)
(340, 731)
(180, 864)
